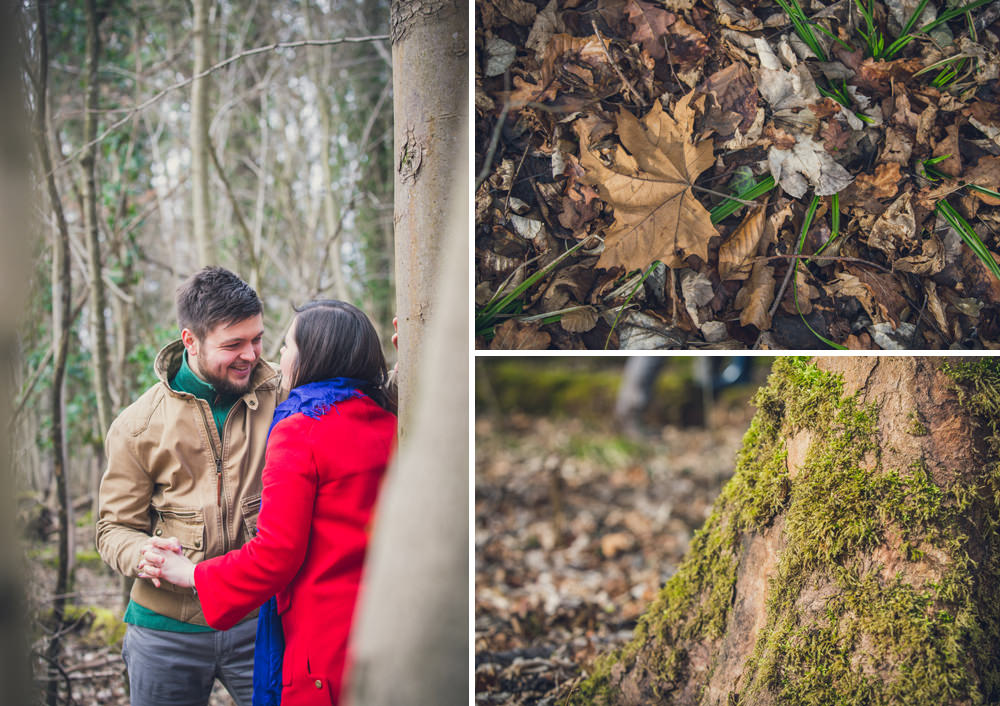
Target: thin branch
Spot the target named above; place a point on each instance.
(614, 65)
(37, 374)
(221, 65)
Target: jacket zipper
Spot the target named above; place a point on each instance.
(217, 455)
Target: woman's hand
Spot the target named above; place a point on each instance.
(161, 559)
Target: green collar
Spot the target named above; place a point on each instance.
(187, 380)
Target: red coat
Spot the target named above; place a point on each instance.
(321, 478)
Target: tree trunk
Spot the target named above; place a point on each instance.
(15, 205)
(200, 213)
(410, 641)
(98, 305)
(853, 558)
(430, 40)
(61, 323)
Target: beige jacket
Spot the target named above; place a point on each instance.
(170, 475)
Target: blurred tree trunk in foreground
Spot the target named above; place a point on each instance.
(854, 558)
(430, 44)
(15, 203)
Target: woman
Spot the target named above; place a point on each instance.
(328, 448)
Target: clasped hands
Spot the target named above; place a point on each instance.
(163, 559)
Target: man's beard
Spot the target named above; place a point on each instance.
(223, 386)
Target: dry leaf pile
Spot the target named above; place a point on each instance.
(572, 545)
(615, 126)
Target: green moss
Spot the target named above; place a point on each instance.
(100, 626)
(868, 638)
(915, 425)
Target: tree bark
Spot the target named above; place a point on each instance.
(61, 322)
(410, 642)
(98, 303)
(15, 205)
(853, 558)
(430, 93)
(200, 208)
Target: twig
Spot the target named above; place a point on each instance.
(55, 664)
(513, 179)
(836, 258)
(36, 375)
(484, 171)
(614, 65)
(221, 65)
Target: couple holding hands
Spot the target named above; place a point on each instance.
(233, 486)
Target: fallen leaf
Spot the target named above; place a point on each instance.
(755, 298)
(898, 146)
(649, 184)
(697, 290)
(517, 11)
(885, 296)
(835, 136)
(639, 330)
(561, 51)
(985, 173)
(527, 228)
(686, 46)
(949, 146)
(891, 338)
(547, 23)
(579, 320)
(807, 163)
(513, 335)
(734, 92)
(935, 305)
(615, 543)
(499, 56)
(736, 253)
(650, 22)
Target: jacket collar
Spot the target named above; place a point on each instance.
(168, 362)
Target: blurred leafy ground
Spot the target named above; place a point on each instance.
(577, 528)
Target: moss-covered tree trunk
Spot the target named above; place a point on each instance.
(854, 557)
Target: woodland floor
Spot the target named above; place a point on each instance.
(577, 529)
(606, 130)
(91, 657)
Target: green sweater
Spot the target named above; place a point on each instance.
(186, 380)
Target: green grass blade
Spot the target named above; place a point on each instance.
(913, 18)
(834, 223)
(795, 265)
(984, 190)
(486, 318)
(968, 236)
(628, 299)
(730, 206)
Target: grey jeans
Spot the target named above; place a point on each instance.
(180, 668)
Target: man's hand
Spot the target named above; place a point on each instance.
(163, 558)
(395, 335)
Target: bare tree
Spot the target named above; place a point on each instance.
(429, 42)
(62, 294)
(200, 208)
(98, 304)
(853, 558)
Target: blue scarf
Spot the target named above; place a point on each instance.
(313, 400)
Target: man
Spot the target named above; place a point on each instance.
(184, 460)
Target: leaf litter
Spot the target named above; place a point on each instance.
(620, 126)
(575, 532)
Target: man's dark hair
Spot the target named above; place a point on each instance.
(336, 339)
(214, 296)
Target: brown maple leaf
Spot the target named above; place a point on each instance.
(649, 184)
